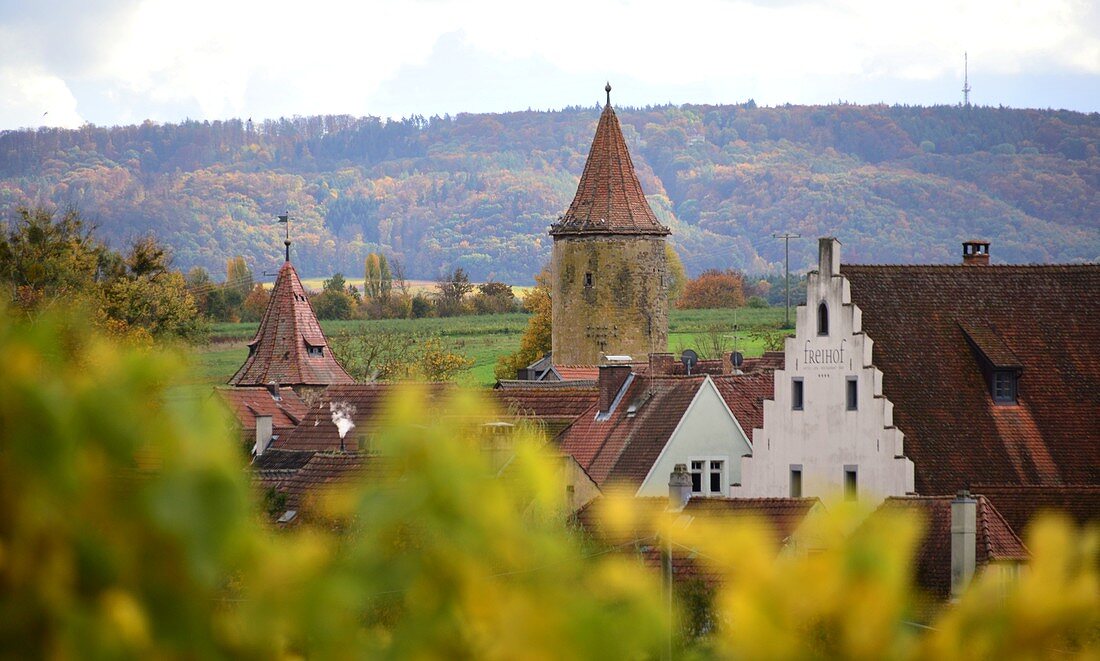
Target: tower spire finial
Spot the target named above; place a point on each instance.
(607, 88)
(285, 218)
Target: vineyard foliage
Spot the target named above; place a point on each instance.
(478, 191)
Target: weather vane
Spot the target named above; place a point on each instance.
(285, 218)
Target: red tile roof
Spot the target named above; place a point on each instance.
(280, 352)
(363, 403)
(248, 402)
(609, 197)
(550, 404)
(1021, 505)
(781, 515)
(996, 541)
(623, 448)
(324, 472)
(744, 394)
(1045, 318)
(577, 372)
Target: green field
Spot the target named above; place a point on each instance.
(483, 338)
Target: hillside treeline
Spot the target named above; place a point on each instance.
(895, 184)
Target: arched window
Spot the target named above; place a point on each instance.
(823, 319)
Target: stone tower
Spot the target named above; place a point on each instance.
(610, 277)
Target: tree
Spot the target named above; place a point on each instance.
(494, 298)
(255, 304)
(537, 337)
(453, 288)
(714, 289)
(378, 281)
(337, 299)
(46, 260)
(238, 277)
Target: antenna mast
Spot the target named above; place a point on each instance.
(966, 80)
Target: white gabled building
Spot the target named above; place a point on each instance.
(829, 430)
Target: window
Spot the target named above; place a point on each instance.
(316, 352)
(1004, 387)
(822, 319)
(796, 480)
(851, 483)
(796, 394)
(708, 477)
(716, 477)
(587, 279)
(853, 394)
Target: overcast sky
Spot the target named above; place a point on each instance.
(67, 62)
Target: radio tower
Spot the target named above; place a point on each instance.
(966, 81)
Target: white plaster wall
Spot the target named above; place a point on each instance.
(707, 430)
(825, 437)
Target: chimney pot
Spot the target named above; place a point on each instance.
(975, 253)
(964, 541)
(679, 488)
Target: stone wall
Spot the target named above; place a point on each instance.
(609, 297)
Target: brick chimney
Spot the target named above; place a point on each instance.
(679, 488)
(964, 542)
(612, 378)
(975, 253)
(662, 363)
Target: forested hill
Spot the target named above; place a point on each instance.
(895, 184)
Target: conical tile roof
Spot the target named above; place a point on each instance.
(289, 348)
(609, 197)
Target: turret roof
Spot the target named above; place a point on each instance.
(289, 347)
(609, 196)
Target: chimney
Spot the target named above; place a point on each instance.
(263, 433)
(611, 381)
(975, 253)
(964, 540)
(661, 363)
(679, 488)
(828, 256)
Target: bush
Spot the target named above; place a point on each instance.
(756, 302)
(713, 289)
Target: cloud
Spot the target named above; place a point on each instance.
(32, 99)
(126, 60)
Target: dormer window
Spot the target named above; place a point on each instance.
(316, 352)
(823, 319)
(1004, 386)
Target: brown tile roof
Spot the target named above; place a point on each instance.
(1045, 318)
(280, 352)
(506, 384)
(562, 403)
(363, 404)
(248, 402)
(609, 197)
(275, 466)
(1021, 505)
(623, 448)
(577, 372)
(996, 541)
(326, 471)
(781, 515)
(744, 394)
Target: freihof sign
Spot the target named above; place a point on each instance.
(823, 357)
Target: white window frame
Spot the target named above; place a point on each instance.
(705, 473)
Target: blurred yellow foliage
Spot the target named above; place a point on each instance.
(128, 528)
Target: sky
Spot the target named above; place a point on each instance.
(117, 62)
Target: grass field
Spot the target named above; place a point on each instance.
(484, 338)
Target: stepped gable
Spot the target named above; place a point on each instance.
(609, 196)
(289, 348)
(938, 330)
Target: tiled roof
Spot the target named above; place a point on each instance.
(1046, 318)
(323, 472)
(1021, 505)
(744, 394)
(609, 197)
(507, 384)
(275, 466)
(781, 515)
(547, 403)
(577, 372)
(280, 352)
(248, 402)
(623, 448)
(996, 541)
(363, 403)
